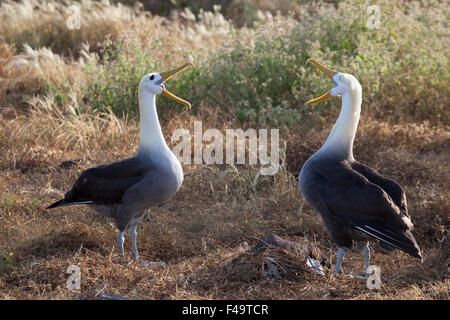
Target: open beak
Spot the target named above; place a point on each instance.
(329, 73)
(169, 74)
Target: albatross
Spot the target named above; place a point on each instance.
(355, 201)
(124, 190)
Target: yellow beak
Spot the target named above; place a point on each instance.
(329, 73)
(169, 74)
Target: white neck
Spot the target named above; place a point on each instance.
(151, 136)
(340, 140)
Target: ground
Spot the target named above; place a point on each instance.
(198, 233)
(60, 114)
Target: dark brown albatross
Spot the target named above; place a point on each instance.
(355, 201)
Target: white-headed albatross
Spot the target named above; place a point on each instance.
(124, 190)
(355, 201)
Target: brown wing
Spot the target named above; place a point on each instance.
(107, 184)
(392, 188)
(352, 199)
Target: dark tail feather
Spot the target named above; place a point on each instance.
(56, 204)
(393, 237)
(62, 203)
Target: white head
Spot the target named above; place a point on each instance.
(153, 83)
(345, 84)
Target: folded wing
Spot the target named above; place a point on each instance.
(105, 184)
(353, 199)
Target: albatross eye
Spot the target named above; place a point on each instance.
(152, 77)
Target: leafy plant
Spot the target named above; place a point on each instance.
(7, 263)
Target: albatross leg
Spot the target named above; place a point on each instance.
(366, 255)
(121, 239)
(145, 263)
(340, 257)
(133, 235)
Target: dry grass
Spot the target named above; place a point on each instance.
(198, 236)
(202, 232)
(37, 50)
